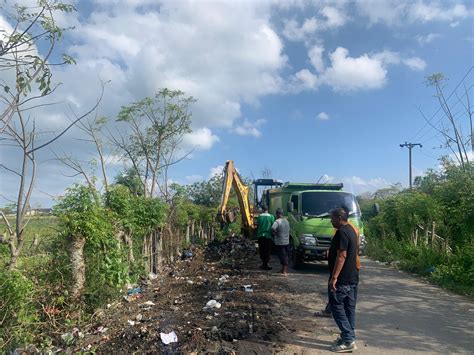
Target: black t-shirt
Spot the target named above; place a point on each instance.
(345, 239)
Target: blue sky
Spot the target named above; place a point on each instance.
(306, 89)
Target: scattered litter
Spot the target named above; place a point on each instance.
(213, 304)
(191, 282)
(134, 291)
(134, 297)
(148, 303)
(168, 338)
(131, 322)
(223, 278)
(139, 317)
(102, 329)
(187, 254)
(152, 276)
(214, 329)
(67, 338)
(247, 288)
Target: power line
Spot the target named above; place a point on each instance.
(410, 147)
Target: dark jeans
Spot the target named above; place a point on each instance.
(343, 306)
(265, 249)
(283, 253)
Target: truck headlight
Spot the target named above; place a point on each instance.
(308, 239)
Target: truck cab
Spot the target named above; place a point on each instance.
(307, 207)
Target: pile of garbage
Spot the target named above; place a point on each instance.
(232, 252)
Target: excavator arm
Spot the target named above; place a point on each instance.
(233, 179)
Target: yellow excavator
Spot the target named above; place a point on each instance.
(233, 179)
(248, 211)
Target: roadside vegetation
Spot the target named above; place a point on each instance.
(428, 230)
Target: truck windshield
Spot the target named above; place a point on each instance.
(317, 203)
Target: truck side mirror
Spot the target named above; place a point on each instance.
(376, 209)
(290, 207)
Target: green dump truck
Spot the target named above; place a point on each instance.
(307, 208)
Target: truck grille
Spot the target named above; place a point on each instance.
(323, 240)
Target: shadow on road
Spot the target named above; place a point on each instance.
(316, 267)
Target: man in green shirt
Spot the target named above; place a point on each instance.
(264, 235)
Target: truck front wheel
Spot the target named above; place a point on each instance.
(296, 257)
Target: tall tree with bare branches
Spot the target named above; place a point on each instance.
(25, 83)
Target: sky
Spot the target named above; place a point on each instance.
(308, 90)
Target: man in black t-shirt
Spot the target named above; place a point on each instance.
(343, 279)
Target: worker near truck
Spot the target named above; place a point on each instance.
(326, 312)
(281, 232)
(264, 236)
(343, 280)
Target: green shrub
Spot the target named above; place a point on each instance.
(17, 311)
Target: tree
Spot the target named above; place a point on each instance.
(206, 193)
(130, 179)
(27, 81)
(157, 127)
(451, 126)
(31, 26)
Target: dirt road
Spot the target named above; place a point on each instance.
(397, 313)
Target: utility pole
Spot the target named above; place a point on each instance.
(410, 147)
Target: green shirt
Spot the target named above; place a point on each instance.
(264, 225)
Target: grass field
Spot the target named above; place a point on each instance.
(39, 238)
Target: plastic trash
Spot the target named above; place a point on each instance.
(247, 288)
(131, 322)
(168, 338)
(134, 291)
(148, 303)
(152, 276)
(187, 254)
(223, 278)
(102, 329)
(213, 304)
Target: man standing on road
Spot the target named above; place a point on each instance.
(281, 231)
(344, 279)
(264, 236)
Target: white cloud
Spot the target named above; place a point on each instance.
(323, 116)
(216, 171)
(328, 18)
(113, 36)
(358, 184)
(426, 39)
(364, 72)
(415, 63)
(315, 54)
(302, 80)
(201, 139)
(347, 73)
(248, 128)
(334, 17)
(396, 12)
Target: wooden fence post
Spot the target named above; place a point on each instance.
(433, 233)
